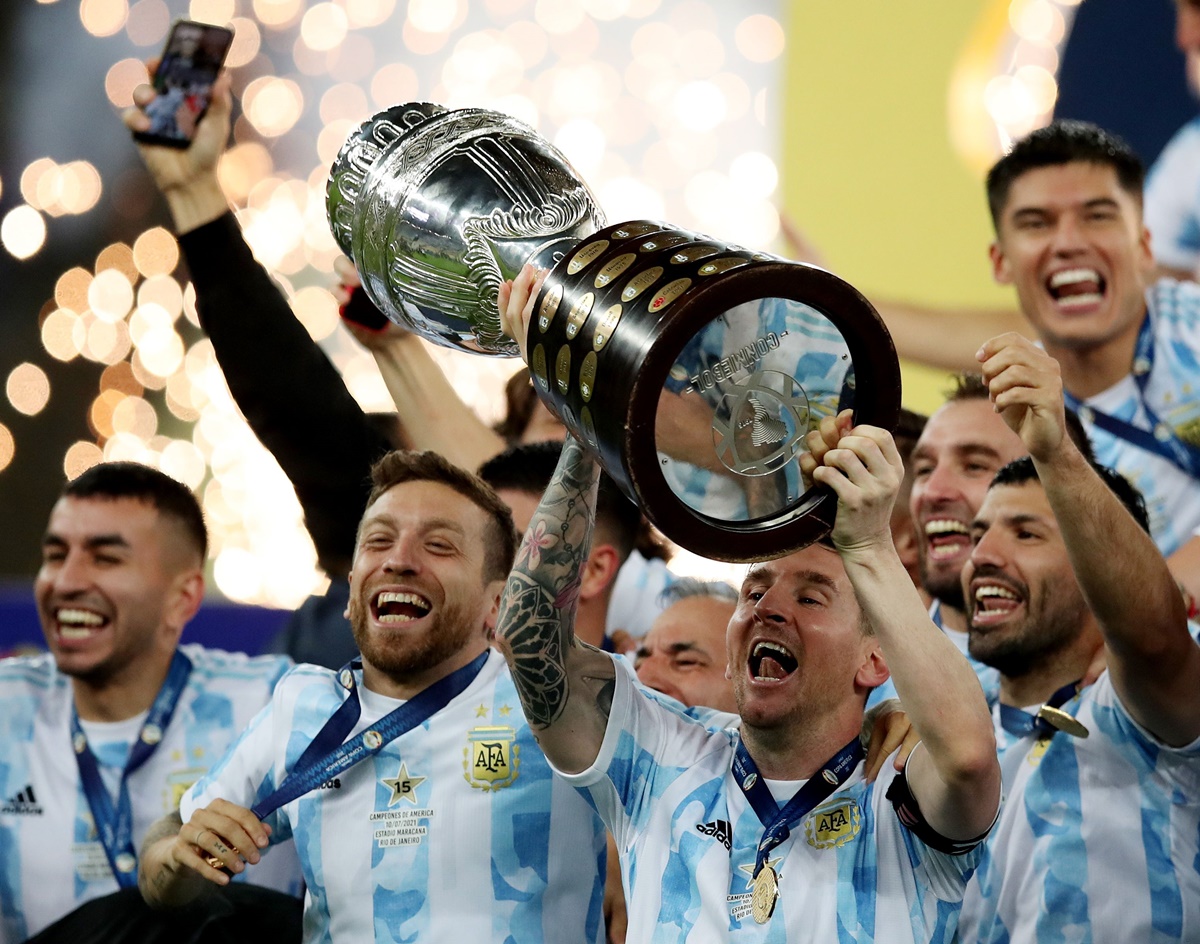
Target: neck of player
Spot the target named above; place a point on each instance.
(798, 751)
(406, 684)
(120, 696)
(1089, 370)
(1049, 675)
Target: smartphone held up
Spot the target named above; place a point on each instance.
(183, 82)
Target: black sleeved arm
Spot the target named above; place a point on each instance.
(286, 387)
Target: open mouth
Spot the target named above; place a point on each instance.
(76, 623)
(394, 607)
(771, 662)
(993, 602)
(947, 538)
(1076, 288)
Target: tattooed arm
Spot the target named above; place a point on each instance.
(565, 685)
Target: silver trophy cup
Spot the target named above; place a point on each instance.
(692, 367)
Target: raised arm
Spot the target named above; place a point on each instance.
(1152, 659)
(565, 685)
(941, 337)
(432, 415)
(292, 396)
(956, 778)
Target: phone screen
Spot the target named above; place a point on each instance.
(190, 63)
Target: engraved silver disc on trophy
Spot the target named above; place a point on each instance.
(692, 367)
(703, 366)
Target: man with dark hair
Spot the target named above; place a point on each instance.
(100, 737)
(1063, 142)
(1097, 839)
(961, 447)
(722, 830)
(1067, 204)
(520, 475)
(420, 804)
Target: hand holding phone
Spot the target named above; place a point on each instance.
(183, 82)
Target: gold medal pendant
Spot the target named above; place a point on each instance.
(765, 894)
(1064, 722)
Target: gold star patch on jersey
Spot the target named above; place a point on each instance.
(833, 824)
(403, 786)
(491, 758)
(749, 869)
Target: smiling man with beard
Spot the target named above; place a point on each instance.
(961, 447)
(768, 832)
(1098, 837)
(420, 804)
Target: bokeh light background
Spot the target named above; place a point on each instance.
(669, 108)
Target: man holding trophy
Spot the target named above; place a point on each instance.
(693, 368)
(769, 832)
(662, 350)
(717, 387)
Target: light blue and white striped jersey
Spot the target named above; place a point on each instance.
(1099, 838)
(455, 831)
(1172, 200)
(1173, 392)
(51, 860)
(688, 837)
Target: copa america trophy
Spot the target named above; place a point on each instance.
(692, 367)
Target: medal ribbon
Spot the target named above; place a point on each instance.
(779, 822)
(115, 825)
(1162, 440)
(330, 754)
(1021, 723)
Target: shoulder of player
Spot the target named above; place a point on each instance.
(214, 666)
(1106, 716)
(29, 675)
(1175, 310)
(1178, 154)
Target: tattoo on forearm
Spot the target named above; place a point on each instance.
(536, 651)
(537, 610)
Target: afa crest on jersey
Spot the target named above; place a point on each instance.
(833, 824)
(491, 758)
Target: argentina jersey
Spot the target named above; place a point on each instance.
(454, 831)
(849, 871)
(51, 858)
(1172, 201)
(1172, 391)
(1098, 838)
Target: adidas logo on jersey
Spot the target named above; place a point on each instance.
(720, 830)
(23, 804)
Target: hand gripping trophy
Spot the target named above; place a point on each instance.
(693, 368)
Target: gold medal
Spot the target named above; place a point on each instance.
(1064, 722)
(765, 894)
